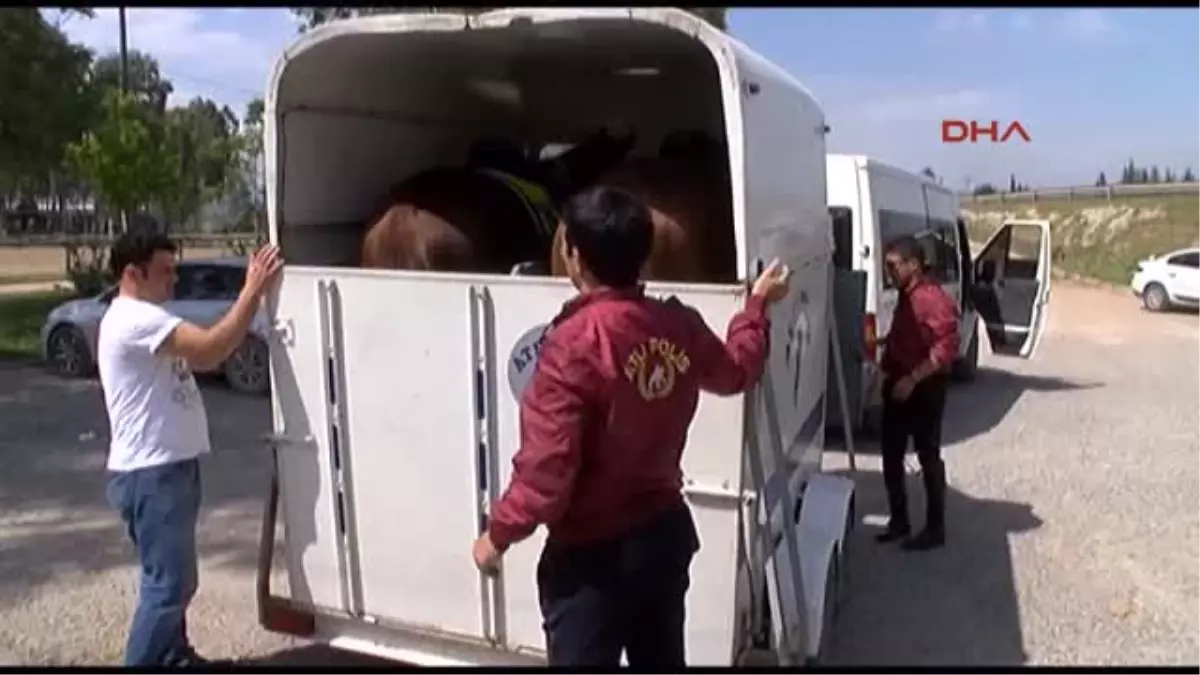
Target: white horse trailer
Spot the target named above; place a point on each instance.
(394, 413)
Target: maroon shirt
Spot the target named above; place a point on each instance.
(606, 414)
(924, 326)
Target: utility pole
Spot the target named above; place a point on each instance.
(124, 51)
(124, 89)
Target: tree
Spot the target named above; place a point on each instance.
(1168, 175)
(120, 159)
(311, 17)
(1188, 176)
(1012, 183)
(985, 189)
(201, 144)
(254, 161)
(1101, 181)
(1154, 176)
(43, 105)
(1129, 173)
(145, 82)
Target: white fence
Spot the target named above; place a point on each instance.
(1087, 192)
(69, 240)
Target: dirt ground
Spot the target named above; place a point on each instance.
(21, 264)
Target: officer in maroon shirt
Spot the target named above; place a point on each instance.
(920, 346)
(603, 424)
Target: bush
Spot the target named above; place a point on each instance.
(87, 269)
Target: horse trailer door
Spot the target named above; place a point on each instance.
(389, 392)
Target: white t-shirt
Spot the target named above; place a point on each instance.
(155, 411)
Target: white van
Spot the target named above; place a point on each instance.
(1008, 283)
(395, 419)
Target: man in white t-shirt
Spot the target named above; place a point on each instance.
(159, 429)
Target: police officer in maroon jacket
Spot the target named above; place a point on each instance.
(603, 424)
(920, 346)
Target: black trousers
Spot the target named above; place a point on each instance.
(624, 594)
(919, 417)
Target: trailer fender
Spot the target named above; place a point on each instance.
(822, 528)
(827, 506)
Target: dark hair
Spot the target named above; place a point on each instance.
(137, 248)
(612, 231)
(908, 248)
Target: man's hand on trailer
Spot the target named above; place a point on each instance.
(487, 558)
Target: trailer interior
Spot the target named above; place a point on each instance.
(358, 112)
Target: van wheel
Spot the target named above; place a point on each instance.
(1155, 298)
(964, 369)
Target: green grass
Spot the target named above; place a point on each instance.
(1119, 234)
(21, 318)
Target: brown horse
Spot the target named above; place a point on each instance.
(686, 191)
(486, 217)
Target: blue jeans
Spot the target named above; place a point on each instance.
(159, 506)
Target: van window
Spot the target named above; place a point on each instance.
(939, 238)
(843, 237)
(945, 233)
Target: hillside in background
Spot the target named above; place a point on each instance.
(1096, 237)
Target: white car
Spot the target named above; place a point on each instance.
(203, 293)
(1166, 281)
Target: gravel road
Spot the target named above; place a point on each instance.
(1072, 510)
(1073, 516)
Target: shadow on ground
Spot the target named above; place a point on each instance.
(54, 518)
(956, 606)
(975, 408)
(318, 655)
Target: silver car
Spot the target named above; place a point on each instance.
(205, 290)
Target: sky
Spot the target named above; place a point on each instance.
(1092, 87)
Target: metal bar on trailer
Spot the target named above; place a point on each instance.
(334, 430)
(487, 449)
(840, 373)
